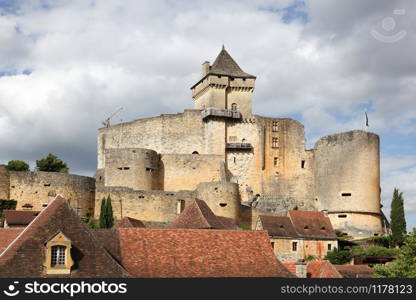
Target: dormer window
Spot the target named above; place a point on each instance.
(58, 255)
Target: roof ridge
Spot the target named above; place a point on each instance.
(196, 202)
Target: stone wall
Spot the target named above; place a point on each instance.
(186, 171)
(154, 206)
(305, 247)
(286, 169)
(181, 133)
(347, 171)
(4, 183)
(39, 188)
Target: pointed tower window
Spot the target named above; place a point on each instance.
(234, 107)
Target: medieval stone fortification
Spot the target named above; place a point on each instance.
(240, 164)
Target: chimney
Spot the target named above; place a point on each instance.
(325, 211)
(301, 269)
(205, 68)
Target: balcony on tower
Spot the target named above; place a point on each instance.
(239, 146)
(222, 113)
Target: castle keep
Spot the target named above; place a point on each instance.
(242, 165)
(239, 163)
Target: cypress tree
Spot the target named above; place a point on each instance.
(398, 221)
(109, 213)
(102, 221)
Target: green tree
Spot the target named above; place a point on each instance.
(109, 212)
(405, 264)
(338, 257)
(398, 221)
(17, 165)
(51, 163)
(106, 213)
(102, 221)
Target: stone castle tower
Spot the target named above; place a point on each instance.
(241, 164)
(224, 86)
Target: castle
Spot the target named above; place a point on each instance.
(242, 165)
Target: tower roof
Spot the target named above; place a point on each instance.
(224, 64)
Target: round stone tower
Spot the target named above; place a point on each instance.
(347, 175)
(222, 197)
(136, 168)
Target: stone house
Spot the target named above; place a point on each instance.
(299, 235)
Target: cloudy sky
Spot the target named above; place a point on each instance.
(67, 65)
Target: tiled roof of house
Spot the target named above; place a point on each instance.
(322, 269)
(290, 266)
(170, 253)
(24, 256)
(198, 215)
(224, 64)
(355, 271)
(19, 217)
(108, 239)
(299, 224)
(228, 223)
(312, 224)
(7, 235)
(128, 222)
(278, 226)
(316, 269)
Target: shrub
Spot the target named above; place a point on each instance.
(17, 165)
(374, 251)
(405, 264)
(338, 257)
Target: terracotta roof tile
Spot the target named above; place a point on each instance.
(316, 269)
(290, 266)
(7, 235)
(108, 239)
(128, 222)
(228, 223)
(167, 253)
(355, 271)
(312, 224)
(322, 269)
(19, 217)
(278, 226)
(198, 215)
